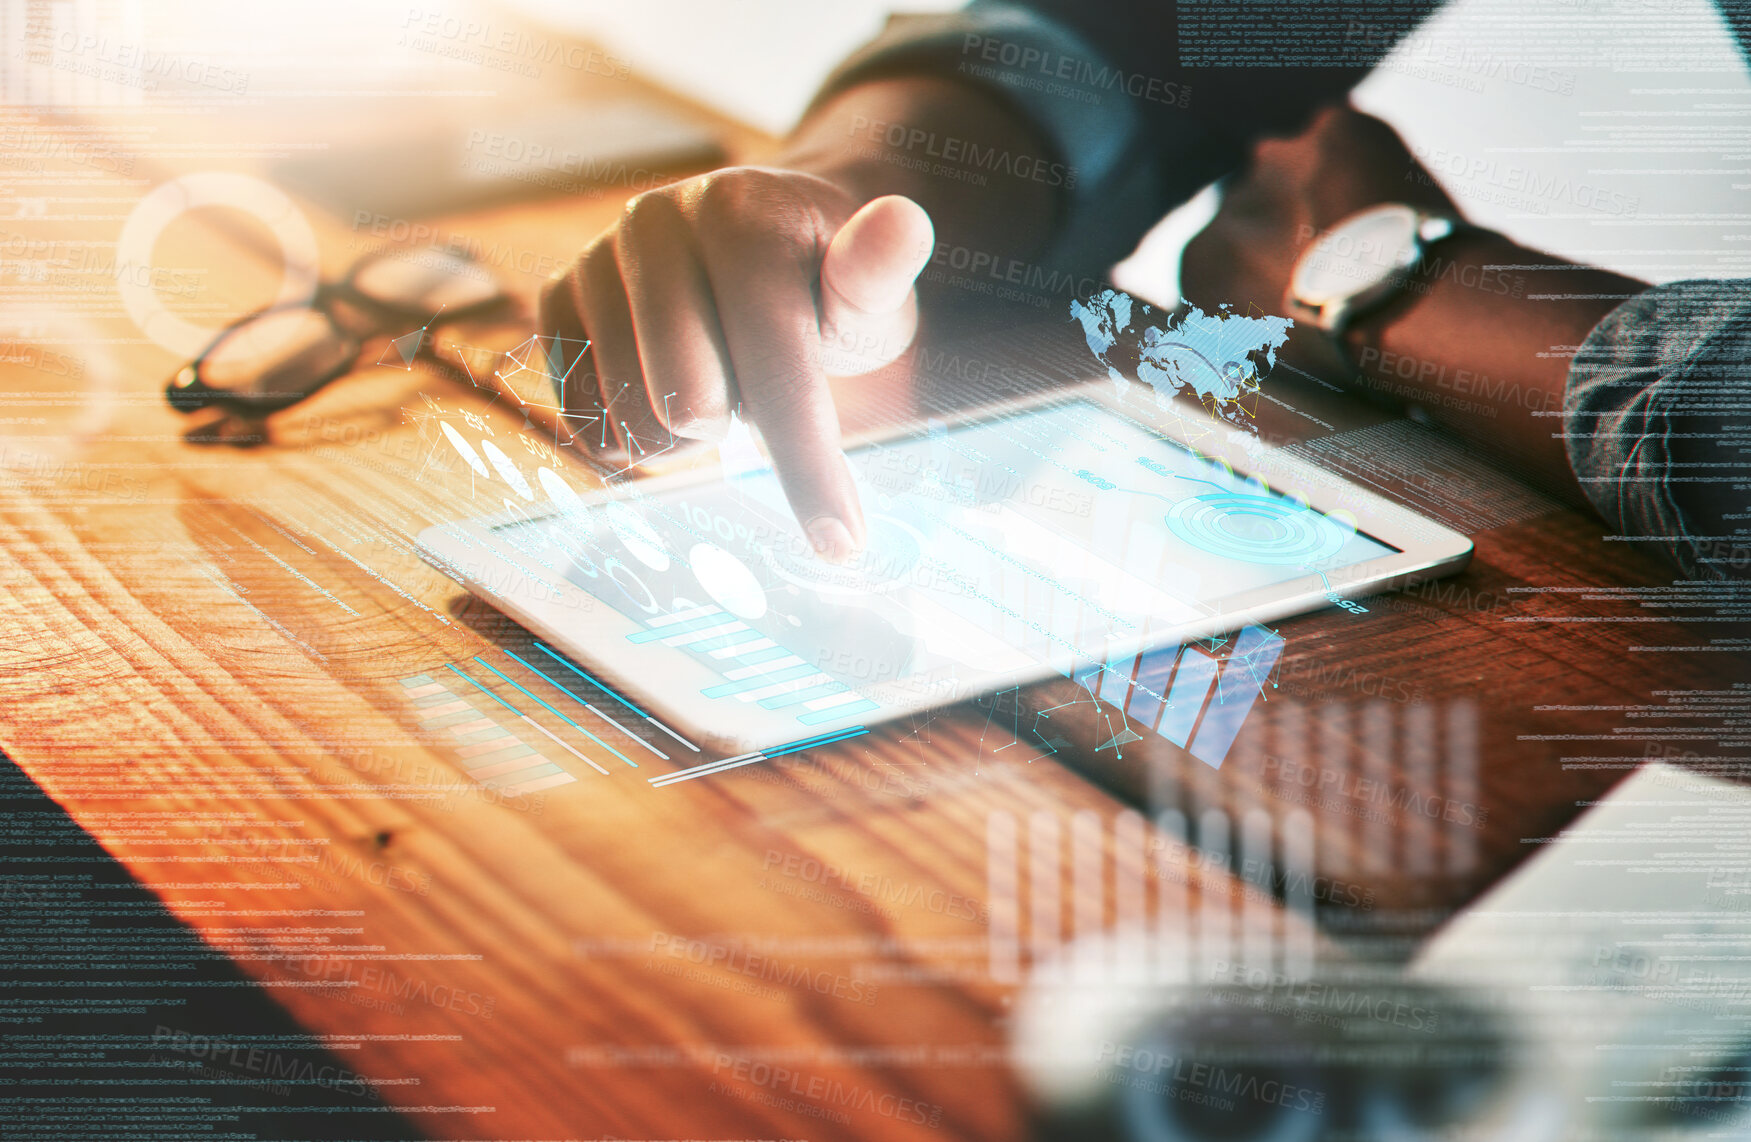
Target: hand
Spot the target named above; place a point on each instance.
(1290, 192)
(739, 291)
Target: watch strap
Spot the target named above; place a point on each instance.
(1333, 318)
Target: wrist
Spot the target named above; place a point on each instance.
(1469, 259)
(1368, 260)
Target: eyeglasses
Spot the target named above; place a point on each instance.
(276, 357)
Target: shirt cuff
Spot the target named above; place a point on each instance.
(1646, 423)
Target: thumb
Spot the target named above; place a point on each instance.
(868, 311)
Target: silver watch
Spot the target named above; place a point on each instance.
(1362, 263)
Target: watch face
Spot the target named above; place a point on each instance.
(1362, 253)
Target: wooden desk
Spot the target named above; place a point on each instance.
(214, 660)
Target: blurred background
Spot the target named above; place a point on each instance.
(349, 99)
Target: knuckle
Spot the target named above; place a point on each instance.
(724, 200)
(753, 200)
(598, 274)
(644, 212)
(558, 296)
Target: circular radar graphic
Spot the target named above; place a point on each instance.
(1256, 529)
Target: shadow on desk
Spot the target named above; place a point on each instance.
(120, 1023)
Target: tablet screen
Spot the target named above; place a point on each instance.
(1051, 538)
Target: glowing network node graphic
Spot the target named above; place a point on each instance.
(536, 371)
(1256, 529)
(404, 348)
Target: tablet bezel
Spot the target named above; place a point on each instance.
(579, 624)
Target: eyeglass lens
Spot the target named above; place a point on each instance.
(282, 355)
(425, 282)
(278, 354)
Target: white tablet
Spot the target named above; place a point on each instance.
(1063, 535)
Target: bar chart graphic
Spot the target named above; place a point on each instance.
(1358, 793)
(754, 668)
(1159, 927)
(459, 708)
(1194, 699)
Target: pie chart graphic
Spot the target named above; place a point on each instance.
(1255, 529)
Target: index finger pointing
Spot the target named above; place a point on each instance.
(766, 293)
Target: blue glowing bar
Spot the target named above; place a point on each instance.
(704, 623)
(796, 697)
(759, 681)
(1115, 681)
(1243, 679)
(581, 673)
(756, 657)
(1191, 685)
(832, 713)
(1149, 698)
(722, 641)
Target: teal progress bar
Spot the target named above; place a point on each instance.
(608, 690)
(552, 711)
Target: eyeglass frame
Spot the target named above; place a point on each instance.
(187, 392)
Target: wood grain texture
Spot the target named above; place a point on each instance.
(203, 662)
(204, 654)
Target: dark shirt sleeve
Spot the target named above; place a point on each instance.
(1145, 102)
(1142, 102)
(1657, 419)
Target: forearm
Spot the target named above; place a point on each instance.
(933, 140)
(1482, 340)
